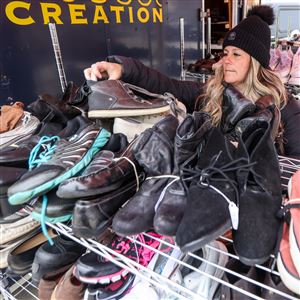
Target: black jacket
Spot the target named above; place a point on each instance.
(136, 73)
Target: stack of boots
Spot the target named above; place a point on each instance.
(260, 193)
(190, 135)
(211, 195)
(234, 107)
(155, 153)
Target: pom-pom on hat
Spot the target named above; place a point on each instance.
(253, 34)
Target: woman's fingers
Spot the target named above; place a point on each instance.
(103, 69)
(87, 73)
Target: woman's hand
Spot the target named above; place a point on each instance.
(103, 70)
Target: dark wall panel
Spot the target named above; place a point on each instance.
(27, 63)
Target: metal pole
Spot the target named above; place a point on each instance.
(181, 28)
(58, 57)
(208, 44)
(234, 13)
(202, 17)
(245, 8)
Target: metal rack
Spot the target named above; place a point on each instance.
(159, 281)
(19, 288)
(198, 76)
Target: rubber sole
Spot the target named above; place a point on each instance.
(105, 279)
(127, 112)
(23, 197)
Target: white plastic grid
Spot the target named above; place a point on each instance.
(288, 167)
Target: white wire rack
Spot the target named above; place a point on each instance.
(199, 76)
(288, 167)
(161, 281)
(17, 288)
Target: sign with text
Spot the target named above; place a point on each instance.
(85, 12)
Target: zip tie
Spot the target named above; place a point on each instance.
(233, 209)
(134, 168)
(162, 194)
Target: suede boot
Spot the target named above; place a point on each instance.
(190, 135)
(260, 194)
(155, 153)
(211, 195)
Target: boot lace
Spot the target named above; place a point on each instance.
(204, 178)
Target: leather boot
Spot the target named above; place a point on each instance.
(260, 194)
(211, 195)
(79, 97)
(155, 153)
(234, 107)
(190, 135)
(263, 107)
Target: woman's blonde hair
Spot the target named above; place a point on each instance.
(259, 82)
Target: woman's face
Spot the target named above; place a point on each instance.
(236, 64)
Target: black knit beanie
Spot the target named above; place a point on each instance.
(253, 34)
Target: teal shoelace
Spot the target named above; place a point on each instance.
(40, 154)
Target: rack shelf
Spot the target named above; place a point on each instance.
(163, 280)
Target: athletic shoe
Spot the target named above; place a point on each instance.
(26, 127)
(58, 162)
(92, 268)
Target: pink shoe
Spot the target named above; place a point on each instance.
(92, 268)
(294, 232)
(285, 62)
(288, 273)
(295, 70)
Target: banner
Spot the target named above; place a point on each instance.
(89, 12)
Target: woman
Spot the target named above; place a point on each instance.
(245, 65)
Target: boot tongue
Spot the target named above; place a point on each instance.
(216, 143)
(234, 107)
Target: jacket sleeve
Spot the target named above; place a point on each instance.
(290, 116)
(135, 72)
